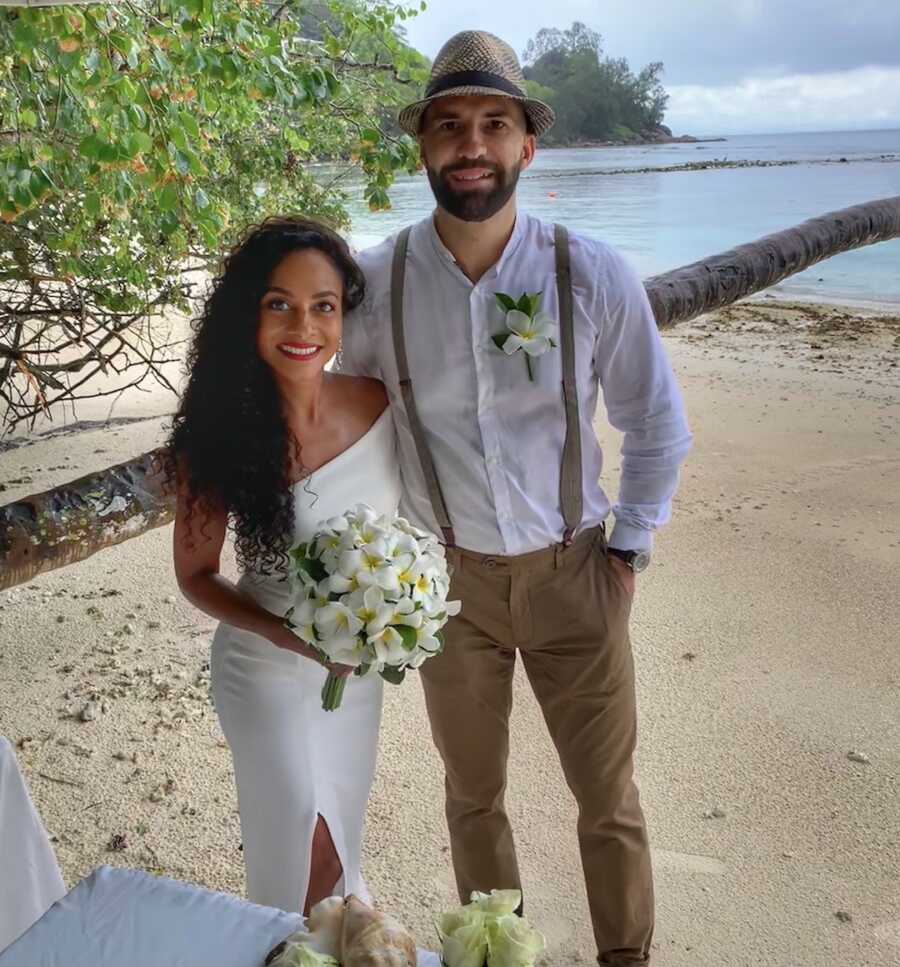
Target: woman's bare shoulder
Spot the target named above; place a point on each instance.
(367, 395)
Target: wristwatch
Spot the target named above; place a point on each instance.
(637, 560)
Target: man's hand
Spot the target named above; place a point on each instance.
(623, 574)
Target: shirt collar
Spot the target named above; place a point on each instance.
(509, 249)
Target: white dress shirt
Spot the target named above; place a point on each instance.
(496, 439)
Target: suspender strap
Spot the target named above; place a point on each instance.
(398, 278)
(570, 478)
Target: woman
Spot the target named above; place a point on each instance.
(267, 441)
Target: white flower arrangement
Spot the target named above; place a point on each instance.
(487, 931)
(528, 329)
(370, 592)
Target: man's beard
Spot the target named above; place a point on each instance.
(473, 205)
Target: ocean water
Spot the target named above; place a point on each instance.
(664, 219)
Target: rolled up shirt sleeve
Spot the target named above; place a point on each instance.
(643, 401)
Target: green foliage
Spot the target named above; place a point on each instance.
(139, 138)
(595, 98)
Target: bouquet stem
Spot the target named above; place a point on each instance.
(333, 691)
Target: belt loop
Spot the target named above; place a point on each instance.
(568, 537)
(558, 555)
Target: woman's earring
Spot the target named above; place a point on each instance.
(338, 359)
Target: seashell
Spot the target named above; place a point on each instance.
(374, 939)
(325, 923)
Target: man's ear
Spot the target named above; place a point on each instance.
(528, 151)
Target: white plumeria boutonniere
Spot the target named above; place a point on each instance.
(527, 329)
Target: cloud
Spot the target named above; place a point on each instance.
(864, 98)
(699, 41)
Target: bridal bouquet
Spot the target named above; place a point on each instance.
(370, 592)
(487, 931)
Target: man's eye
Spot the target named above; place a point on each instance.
(497, 124)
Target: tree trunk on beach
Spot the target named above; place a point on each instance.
(718, 281)
(72, 522)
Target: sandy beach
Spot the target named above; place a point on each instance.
(767, 644)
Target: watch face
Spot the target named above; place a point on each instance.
(640, 561)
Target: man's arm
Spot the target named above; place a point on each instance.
(643, 402)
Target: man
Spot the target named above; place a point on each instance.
(498, 455)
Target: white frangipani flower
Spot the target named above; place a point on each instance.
(335, 618)
(388, 646)
(535, 334)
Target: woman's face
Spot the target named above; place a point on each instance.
(300, 318)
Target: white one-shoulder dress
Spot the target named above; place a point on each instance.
(293, 761)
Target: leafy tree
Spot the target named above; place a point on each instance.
(550, 39)
(595, 97)
(136, 141)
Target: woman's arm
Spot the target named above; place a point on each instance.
(197, 550)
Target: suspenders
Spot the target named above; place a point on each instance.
(570, 480)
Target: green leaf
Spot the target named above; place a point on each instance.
(524, 304)
(409, 636)
(138, 143)
(195, 165)
(189, 123)
(90, 147)
(507, 303)
(169, 197)
(393, 676)
(182, 165)
(138, 115)
(92, 204)
(179, 140)
(169, 223)
(500, 339)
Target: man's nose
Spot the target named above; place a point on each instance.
(472, 144)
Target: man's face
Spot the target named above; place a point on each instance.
(474, 149)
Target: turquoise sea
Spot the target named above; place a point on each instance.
(663, 219)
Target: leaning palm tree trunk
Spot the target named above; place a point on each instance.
(72, 522)
(718, 281)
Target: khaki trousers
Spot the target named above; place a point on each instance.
(567, 614)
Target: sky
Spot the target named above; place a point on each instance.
(731, 66)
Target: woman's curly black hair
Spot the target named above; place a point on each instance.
(230, 444)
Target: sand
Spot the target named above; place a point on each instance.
(766, 637)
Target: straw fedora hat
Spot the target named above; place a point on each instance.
(476, 62)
